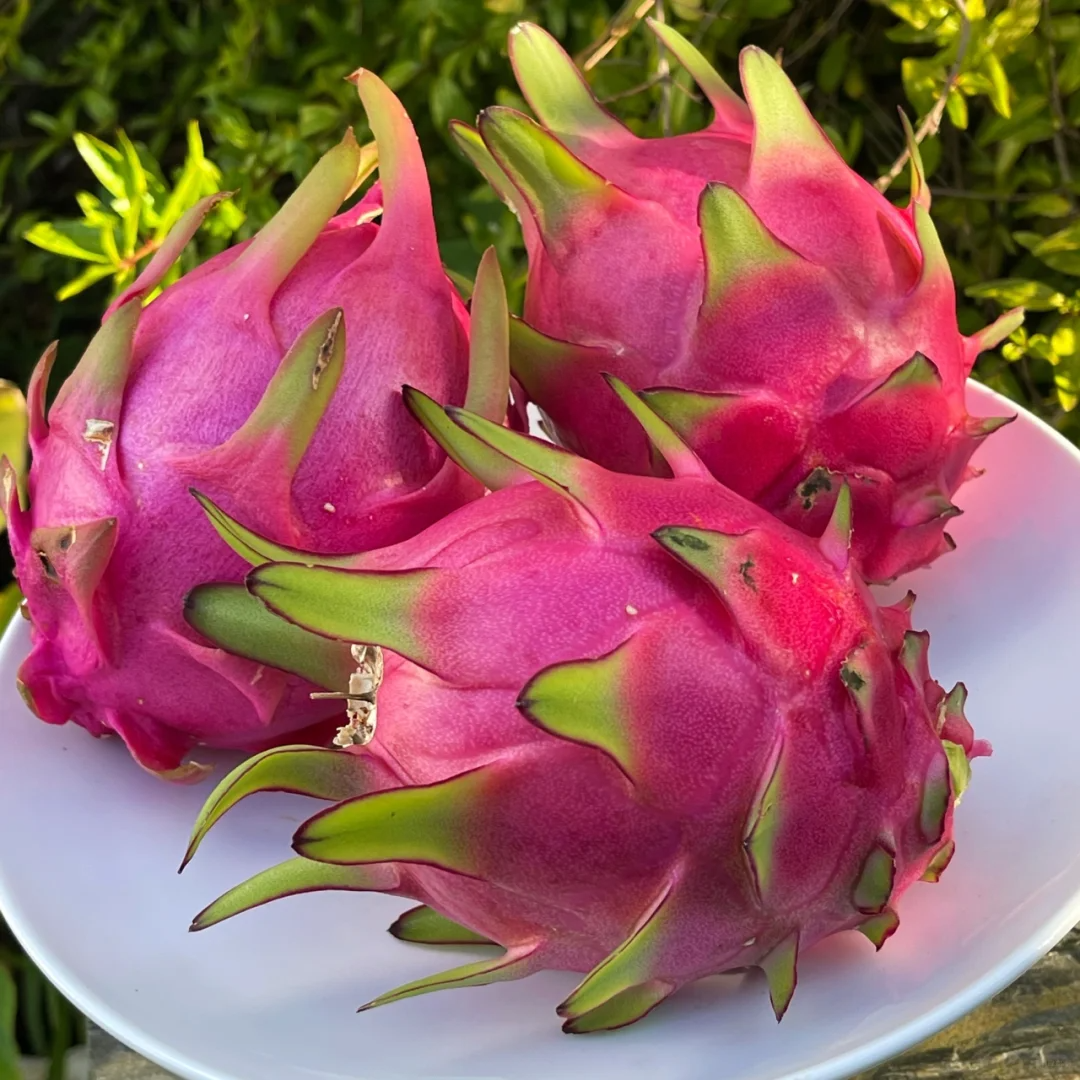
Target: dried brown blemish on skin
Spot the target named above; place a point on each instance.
(360, 698)
(100, 433)
(325, 351)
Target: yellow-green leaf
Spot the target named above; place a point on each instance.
(74, 239)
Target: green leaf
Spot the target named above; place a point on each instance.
(1017, 22)
(130, 207)
(401, 72)
(1048, 205)
(74, 239)
(188, 188)
(919, 14)
(769, 9)
(10, 599)
(271, 100)
(834, 62)
(956, 106)
(1018, 292)
(1065, 340)
(105, 163)
(959, 768)
(447, 102)
(316, 118)
(999, 85)
(90, 276)
(9, 1050)
(1068, 71)
(1060, 250)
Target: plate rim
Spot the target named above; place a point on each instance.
(836, 1067)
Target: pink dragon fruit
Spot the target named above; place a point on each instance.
(227, 381)
(629, 726)
(793, 326)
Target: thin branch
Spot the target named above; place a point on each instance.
(707, 20)
(820, 33)
(648, 84)
(1060, 122)
(932, 121)
(135, 257)
(624, 20)
(663, 73)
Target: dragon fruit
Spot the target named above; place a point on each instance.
(624, 725)
(227, 381)
(796, 328)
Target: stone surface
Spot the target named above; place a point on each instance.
(1030, 1031)
(111, 1060)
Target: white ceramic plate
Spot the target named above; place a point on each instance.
(89, 847)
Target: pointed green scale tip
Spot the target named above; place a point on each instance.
(835, 541)
(423, 925)
(687, 410)
(735, 242)
(374, 608)
(301, 770)
(939, 507)
(935, 800)
(555, 89)
(938, 864)
(550, 178)
(981, 427)
(515, 963)
(178, 238)
(935, 261)
(472, 146)
(959, 768)
(256, 549)
(918, 371)
(476, 457)
(682, 461)
(990, 337)
(708, 554)
(237, 622)
(879, 928)
(955, 702)
(856, 675)
(913, 657)
(488, 392)
(281, 243)
(99, 379)
(407, 210)
(297, 396)
(433, 824)
(781, 972)
(37, 394)
(906, 602)
(539, 361)
(874, 887)
(731, 111)
(464, 285)
(920, 190)
(782, 122)
(762, 829)
(290, 878)
(626, 1007)
(628, 966)
(557, 469)
(369, 162)
(585, 701)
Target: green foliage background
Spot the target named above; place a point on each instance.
(264, 81)
(115, 114)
